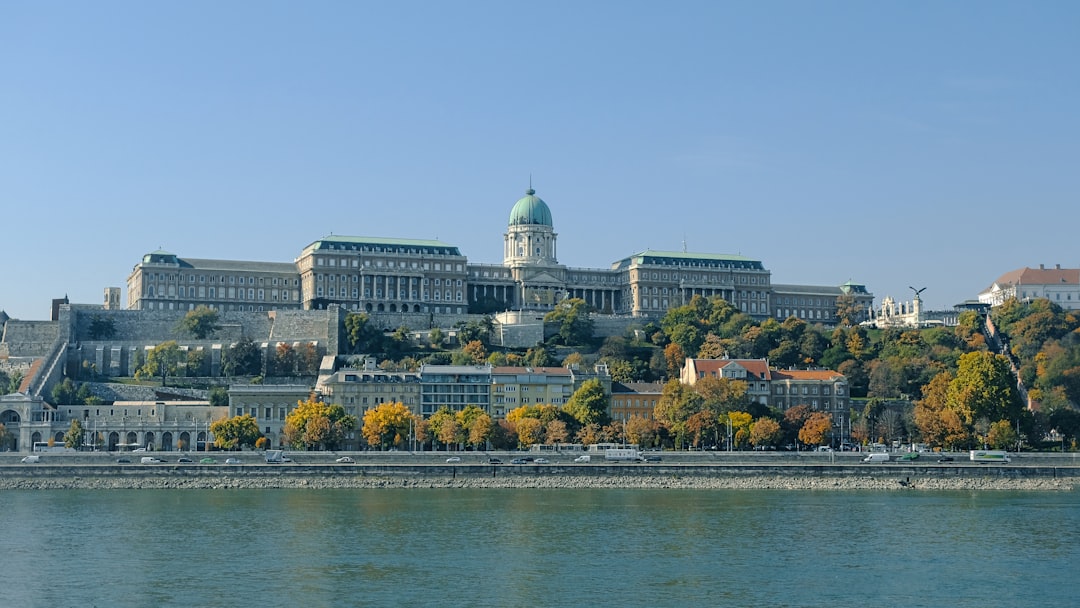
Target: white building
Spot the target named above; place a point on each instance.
(1059, 285)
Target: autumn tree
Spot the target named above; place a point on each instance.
(444, 427)
(285, 359)
(73, 438)
(201, 322)
(528, 431)
(641, 431)
(236, 432)
(1002, 435)
(387, 425)
(817, 427)
(314, 424)
(765, 431)
(556, 432)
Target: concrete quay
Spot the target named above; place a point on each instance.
(782, 476)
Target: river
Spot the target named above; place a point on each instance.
(470, 547)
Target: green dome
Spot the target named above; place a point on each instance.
(530, 209)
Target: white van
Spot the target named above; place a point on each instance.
(876, 457)
(151, 460)
(31, 459)
(583, 458)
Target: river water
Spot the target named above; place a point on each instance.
(469, 547)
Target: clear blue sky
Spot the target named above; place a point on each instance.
(926, 144)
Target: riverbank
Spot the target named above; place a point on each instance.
(644, 482)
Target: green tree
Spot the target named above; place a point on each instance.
(1002, 435)
(236, 432)
(589, 404)
(360, 334)
(575, 324)
(984, 387)
(73, 438)
(242, 359)
(101, 328)
(201, 322)
(162, 361)
(65, 393)
(219, 396)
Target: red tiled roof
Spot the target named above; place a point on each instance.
(1040, 276)
(35, 367)
(756, 367)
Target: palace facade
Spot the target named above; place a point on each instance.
(389, 275)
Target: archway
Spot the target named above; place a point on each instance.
(185, 441)
(166, 442)
(114, 440)
(148, 442)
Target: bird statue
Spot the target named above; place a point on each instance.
(917, 291)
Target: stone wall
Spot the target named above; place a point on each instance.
(28, 338)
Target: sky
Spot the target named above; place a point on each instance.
(894, 144)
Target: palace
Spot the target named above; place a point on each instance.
(403, 276)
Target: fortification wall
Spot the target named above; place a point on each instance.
(29, 338)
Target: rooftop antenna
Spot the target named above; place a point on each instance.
(684, 242)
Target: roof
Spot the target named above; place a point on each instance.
(238, 266)
(759, 368)
(513, 369)
(648, 388)
(682, 258)
(1039, 276)
(376, 243)
(530, 210)
(827, 375)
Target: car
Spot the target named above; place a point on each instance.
(540, 461)
(123, 461)
(651, 458)
(150, 460)
(345, 460)
(30, 459)
(945, 459)
(183, 459)
(518, 461)
(909, 456)
(139, 450)
(207, 460)
(233, 461)
(494, 461)
(453, 459)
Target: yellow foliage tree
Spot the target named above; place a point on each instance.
(387, 425)
(328, 425)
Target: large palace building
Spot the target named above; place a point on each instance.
(388, 275)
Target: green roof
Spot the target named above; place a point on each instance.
(365, 243)
(675, 258)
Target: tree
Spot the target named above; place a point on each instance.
(7, 439)
(162, 361)
(436, 337)
(984, 387)
(202, 322)
(528, 431)
(242, 359)
(575, 324)
(388, 424)
(329, 423)
(101, 328)
(236, 432)
(480, 430)
(1002, 435)
(765, 431)
(444, 427)
(817, 426)
(219, 396)
(285, 359)
(589, 404)
(73, 438)
(360, 334)
(556, 432)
